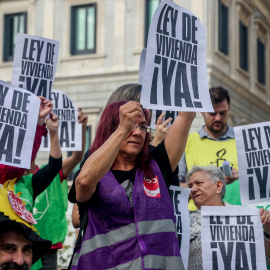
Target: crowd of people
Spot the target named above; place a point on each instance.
(121, 199)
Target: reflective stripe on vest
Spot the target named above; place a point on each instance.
(135, 264)
(156, 226)
(153, 262)
(163, 262)
(104, 240)
(126, 232)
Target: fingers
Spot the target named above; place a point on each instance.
(45, 101)
(235, 174)
(82, 117)
(127, 114)
(53, 116)
(131, 109)
(167, 121)
(265, 216)
(159, 121)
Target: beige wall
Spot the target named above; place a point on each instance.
(89, 79)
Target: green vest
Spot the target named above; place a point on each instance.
(232, 195)
(50, 213)
(204, 152)
(24, 185)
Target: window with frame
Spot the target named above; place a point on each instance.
(83, 29)
(223, 29)
(150, 8)
(243, 46)
(13, 24)
(261, 62)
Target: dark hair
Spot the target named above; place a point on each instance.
(218, 94)
(108, 123)
(40, 246)
(130, 91)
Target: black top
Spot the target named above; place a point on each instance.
(43, 177)
(159, 154)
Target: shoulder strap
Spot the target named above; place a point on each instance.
(83, 225)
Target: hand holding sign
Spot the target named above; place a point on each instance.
(82, 117)
(44, 109)
(52, 123)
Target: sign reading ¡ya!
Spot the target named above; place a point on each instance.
(34, 64)
(253, 144)
(69, 131)
(175, 76)
(18, 122)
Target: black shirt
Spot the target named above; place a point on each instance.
(159, 154)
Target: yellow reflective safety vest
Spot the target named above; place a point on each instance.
(204, 152)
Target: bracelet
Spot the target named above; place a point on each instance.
(266, 235)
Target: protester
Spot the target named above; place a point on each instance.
(10, 172)
(52, 222)
(131, 91)
(140, 220)
(208, 188)
(33, 184)
(214, 143)
(20, 245)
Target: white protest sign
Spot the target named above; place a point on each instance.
(180, 198)
(142, 63)
(175, 75)
(34, 64)
(155, 113)
(18, 122)
(253, 143)
(69, 131)
(232, 238)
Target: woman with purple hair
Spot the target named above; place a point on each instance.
(124, 192)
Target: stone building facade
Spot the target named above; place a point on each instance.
(110, 34)
(101, 42)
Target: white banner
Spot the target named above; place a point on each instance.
(34, 64)
(180, 198)
(253, 143)
(69, 131)
(232, 238)
(175, 75)
(142, 64)
(18, 122)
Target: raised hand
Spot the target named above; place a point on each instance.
(127, 114)
(44, 109)
(82, 117)
(52, 123)
(161, 130)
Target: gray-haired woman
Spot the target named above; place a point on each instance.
(208, 188)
